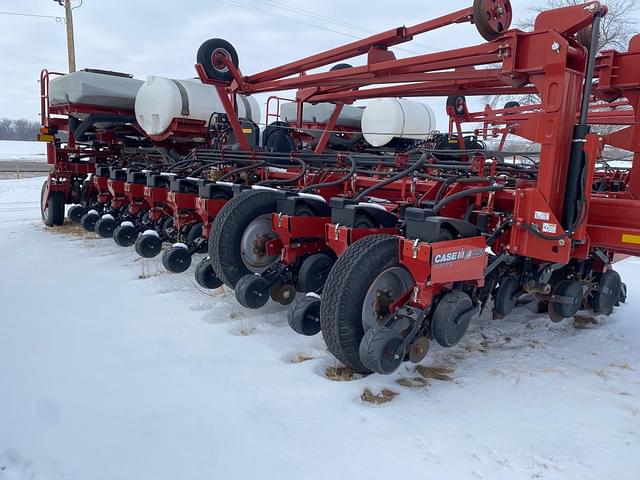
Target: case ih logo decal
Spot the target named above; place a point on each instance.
(458, 255)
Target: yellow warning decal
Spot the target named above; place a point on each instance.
(247, 130)
(635, 239)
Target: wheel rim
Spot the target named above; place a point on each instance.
(253, 244)
(385, 289)
(492, 17)
(217, 60)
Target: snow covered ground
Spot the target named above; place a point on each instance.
(111, 369)
(13, 150)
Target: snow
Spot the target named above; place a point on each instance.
(12, 150)
(111, 369)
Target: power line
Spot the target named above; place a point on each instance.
(18, 14)
(314, 25)
(335, 21)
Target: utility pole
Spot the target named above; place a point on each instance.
(71, 49)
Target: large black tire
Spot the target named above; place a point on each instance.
(228, 228)
(53, 213)
(217, 71)
(314, 271)
(344, 293)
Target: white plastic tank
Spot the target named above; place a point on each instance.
(388, 118)
(160, 100)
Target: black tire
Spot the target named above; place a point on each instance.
(511, 104)
(205, 276)
(623, 294)
(105, 227)
(228, 228)
(506, 298)
(304, 316)
(148, 246)
(344, 293)
(176, 260)
(488, 29)
(53, 213)
(125, 235)
(314, 272)
(458, 103)
(167, 226)
(340, 66)
(217, 71)
(608, 293)
(252, 291)
(380, 350)
(195, 232)
(89, 220)
(448, 324)
(75, 213)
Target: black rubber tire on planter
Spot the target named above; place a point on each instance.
(89, 220)
(379, 350)
(314, 271)
(167, 226)
(195, 232)
(105, 227)
(148, 246)
(53, 215)
(75, 213)
(176, 260)
(606, 298)
(252, 291)
(448, 325)
(205, 276)
(125, 235)
(344, 293)
(227, 230)
(304, 316)
(205, 53)
(506, 298)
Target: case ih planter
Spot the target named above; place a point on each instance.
(396, 238)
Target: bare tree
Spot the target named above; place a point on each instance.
(616, 28)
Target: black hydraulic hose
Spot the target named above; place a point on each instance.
(290, 181)
(466, 193)
(205, 166)
(575, 188)
(392, 179)
(241, 169)
(498, 231)
(334, 183)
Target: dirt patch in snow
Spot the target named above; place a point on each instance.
(442, 373)
(341, 374)
(385, 396)
(301, 358)
(583, 322)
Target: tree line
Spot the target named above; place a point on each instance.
(20, 129)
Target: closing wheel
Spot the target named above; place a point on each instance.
(125, 235)
(492, 17)
(89, 220)
(506, 297)
(75, 213)
(167, 226)
(380, 350)
(195, 232)
(205, 276)
(314, 271)
(566, 301)
(358, 294)
(607, 293)
(176, 260)
(451, 318)
(212, 55)
(53, 212)
(623, 294)
(304, 316)
(282, 293)
(239, 234)
(105, 227)
(252, 291)
(148, 246)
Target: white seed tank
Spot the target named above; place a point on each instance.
(388, 118)
(160, 100)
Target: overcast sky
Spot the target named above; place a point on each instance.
(161, 37)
